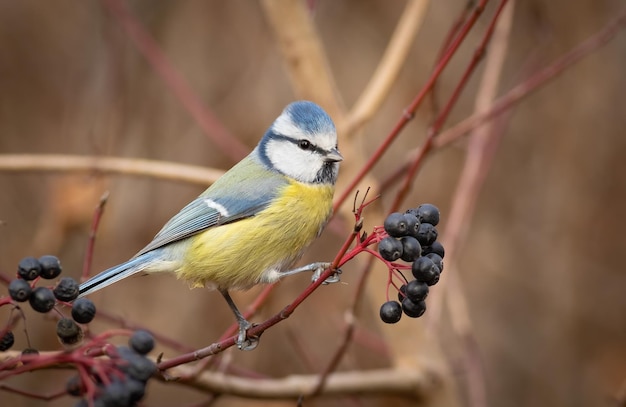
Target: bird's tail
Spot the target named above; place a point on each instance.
(117, 273)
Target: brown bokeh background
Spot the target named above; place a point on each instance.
(541, 267)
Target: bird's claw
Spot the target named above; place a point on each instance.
(244, 341)
(333, 278)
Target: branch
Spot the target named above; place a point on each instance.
(409, 112)
(479, 158)
(115, 165)
(407, 383)
(411, 383)
(389, 67)
(541, 78)
(303, 54)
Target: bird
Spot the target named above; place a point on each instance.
(254, 222)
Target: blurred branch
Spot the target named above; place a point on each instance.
(519, 92)
(479, 158)
(45, 397)
(453, 31)
(128, 166)
(411, 383)
(145, 44)
(93, 230)
(408, 383)
(441, 118)
(544, 76)
(350, 319)
(304, 54)
(387, 70)
(409, 112)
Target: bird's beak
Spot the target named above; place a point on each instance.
(333, 156)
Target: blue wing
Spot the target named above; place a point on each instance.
(242, 192)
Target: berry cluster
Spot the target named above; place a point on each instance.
(43, 298)
(123, 386)
(411, 237)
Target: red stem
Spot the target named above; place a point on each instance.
(410, 110)
(443, 115)
(95, 223)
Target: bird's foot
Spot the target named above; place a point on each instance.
(321, 267)
(317, 269)
(244, 341)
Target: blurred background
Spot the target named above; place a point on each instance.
(541, 267)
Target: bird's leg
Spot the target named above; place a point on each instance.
(317, 269)
(244, 342)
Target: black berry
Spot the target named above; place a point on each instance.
(411, 248)
(136, 366)
(391, 312)
(412, 224)
(402, 292)
(7, 341)
(42, 299)
(115, 394)
(396, 224)
(50, 267)
(426, 271)
(66, 290)
(437, 259)
(83, 310)
(416, 291)
(390, 248)
(19, 290)
(141, 342)
(427, 234)
(75, 386)
(413, 309)
(435, 247)
(136, 389)
(28, 268)
(68, 331)
(427, 213)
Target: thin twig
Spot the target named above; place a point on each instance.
(161, 339)
(515, 95)
(46, 397)
(544, 76)
(434, 130)
(350, 326)
(92, 236)
(409, 112)
(452, 33)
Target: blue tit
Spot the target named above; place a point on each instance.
(255, 221)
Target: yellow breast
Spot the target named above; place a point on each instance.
(246, 252)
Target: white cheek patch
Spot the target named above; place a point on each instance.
(218, 207)
(287, 158)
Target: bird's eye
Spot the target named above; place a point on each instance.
(304, 144)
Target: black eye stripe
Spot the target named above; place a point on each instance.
(311, 147)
